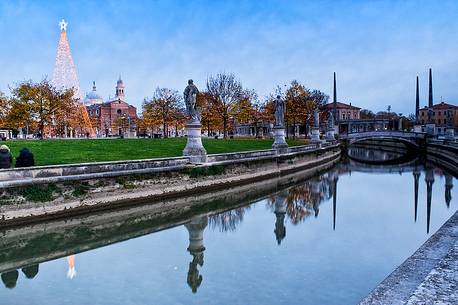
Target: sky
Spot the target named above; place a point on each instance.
(377, 48)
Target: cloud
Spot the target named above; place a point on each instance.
(376, 48)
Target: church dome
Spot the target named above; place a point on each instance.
(93, 97)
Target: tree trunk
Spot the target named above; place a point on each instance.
(164, 130)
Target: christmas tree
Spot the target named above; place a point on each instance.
(65, 77)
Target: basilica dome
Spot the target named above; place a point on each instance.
(93, 97)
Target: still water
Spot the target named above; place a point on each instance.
(328, 240)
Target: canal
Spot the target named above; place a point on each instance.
(328, 239)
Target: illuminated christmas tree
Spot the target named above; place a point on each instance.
(65, 77)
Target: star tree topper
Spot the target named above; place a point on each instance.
(63, 25)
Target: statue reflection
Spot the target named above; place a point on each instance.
(280, 212)
(196, 248)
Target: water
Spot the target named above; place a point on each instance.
(293, 246)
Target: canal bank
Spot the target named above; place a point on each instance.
(83, 188)
(429, 276)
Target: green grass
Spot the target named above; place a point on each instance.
(53, 152)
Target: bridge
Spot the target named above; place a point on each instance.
(410, 139)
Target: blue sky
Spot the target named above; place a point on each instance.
(376, 47)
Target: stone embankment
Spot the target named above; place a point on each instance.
(83, 188)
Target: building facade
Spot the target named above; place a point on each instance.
(443, 115)
(114, 118)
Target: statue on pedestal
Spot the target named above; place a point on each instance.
(279, 112)
(190, 99)
(279, 129)
(194, 148)
(316, 118)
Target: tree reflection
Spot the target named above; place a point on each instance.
(228, 221)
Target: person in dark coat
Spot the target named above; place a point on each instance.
(25, 158)
(6, 159)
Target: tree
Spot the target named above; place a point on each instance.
(366, 114)
(226, 91)
(296, 98)
(209, 112)
(162, 108)
(47, 106)
(4, 109)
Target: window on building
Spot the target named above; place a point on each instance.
(118, 111)
(422, 114)
(439, 113)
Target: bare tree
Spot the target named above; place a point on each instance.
(227, 91)
(162, 107)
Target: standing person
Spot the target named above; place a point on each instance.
(6, 159)
(25, 158)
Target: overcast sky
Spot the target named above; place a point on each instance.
(375, 47)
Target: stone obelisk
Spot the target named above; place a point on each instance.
(430, 126)
(279, 129)
(417, 126)
(194, 149)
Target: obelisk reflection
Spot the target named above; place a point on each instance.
(416, 176)
(280, 212)
(334, 178)
(429, 188)
(196, 248)
(448, 189)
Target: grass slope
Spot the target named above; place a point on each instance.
(51, 152)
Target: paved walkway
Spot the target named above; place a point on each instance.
(429, 276)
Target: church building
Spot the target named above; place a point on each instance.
(114, 118)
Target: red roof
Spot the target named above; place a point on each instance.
(444, 106)
(340, 105)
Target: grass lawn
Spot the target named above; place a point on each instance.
(50, 152)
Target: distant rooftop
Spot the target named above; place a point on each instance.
(340, 105)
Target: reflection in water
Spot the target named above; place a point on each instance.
(228, 220)
(196, 247)
(416, 177)
(31, 271)
(280, 212)
(448, 189)
(71, 273)
(370, 155)
(10, 278)
(429, 179)
(294, 205)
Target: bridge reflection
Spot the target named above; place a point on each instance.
(291, 200)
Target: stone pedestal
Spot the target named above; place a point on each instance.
(330, 135)
(194, 149)
(279, 140)
(417, 128)
(431, 129)
(315, 135)
(450, 134)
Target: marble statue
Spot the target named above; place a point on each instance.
(279, 112)
(330, 121)
(316, 118)
(190, 99)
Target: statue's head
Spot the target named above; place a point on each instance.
(278, 97)
(190, 82)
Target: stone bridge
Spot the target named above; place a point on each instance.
(410, 139)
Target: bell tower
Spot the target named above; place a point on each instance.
(120, 89)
